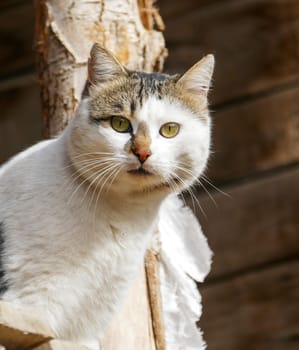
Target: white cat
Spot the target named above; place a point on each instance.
(77, 213)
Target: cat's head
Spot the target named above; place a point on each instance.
(142, 132)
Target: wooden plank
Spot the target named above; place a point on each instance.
(258, 224)
(255, 43)
(60, 345)
(20, 120)
(256, 135)
(256, 311)
(10, 3)
(132, 321)
(16, 37)
(20, 329)
(174, 8)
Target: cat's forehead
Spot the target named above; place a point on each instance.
(161, 110)
(151, 84)
(152, 91)
(141, 95)
(128, 94)
(153, 77)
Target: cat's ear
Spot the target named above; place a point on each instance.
(197, 79)
(103, 66)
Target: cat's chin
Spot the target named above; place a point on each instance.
(142, 180)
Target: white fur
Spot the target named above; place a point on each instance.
(73, 261)
(185, 256)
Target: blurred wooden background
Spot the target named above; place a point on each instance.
(251, 298)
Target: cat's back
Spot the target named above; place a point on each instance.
(27, 167)
(24, 176)
(25, 160)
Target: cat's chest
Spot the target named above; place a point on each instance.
(112, 244)
(107, 249)
(106, 269)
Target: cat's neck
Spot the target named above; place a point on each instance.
(146, 204)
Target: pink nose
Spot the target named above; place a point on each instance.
(142, 154)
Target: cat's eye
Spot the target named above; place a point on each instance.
(120, 124)
(169, 130)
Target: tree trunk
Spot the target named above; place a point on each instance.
(65, 32)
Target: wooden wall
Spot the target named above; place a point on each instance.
(20, 120)
(251, 297)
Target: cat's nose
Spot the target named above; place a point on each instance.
(142, 154)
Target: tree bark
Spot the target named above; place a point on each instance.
(65, 32)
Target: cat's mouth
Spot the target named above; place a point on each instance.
(140, 171)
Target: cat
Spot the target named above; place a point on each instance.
(77, 212)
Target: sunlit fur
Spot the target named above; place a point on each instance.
(77, 218)
(174, 163)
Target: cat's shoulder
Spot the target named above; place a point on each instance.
(22, 158)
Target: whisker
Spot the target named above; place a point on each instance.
(196, 179)
(208, 193)
(77, 188)
(177, 190)
(100, 191)
(99, 177)
(102, 173)
(215, 187)
(85, 180)
(106, 180)
(114, 177)
(83, 161)
(174, 187)
(88, 167)
(187, 171)
(191, 193)
(92, 154)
